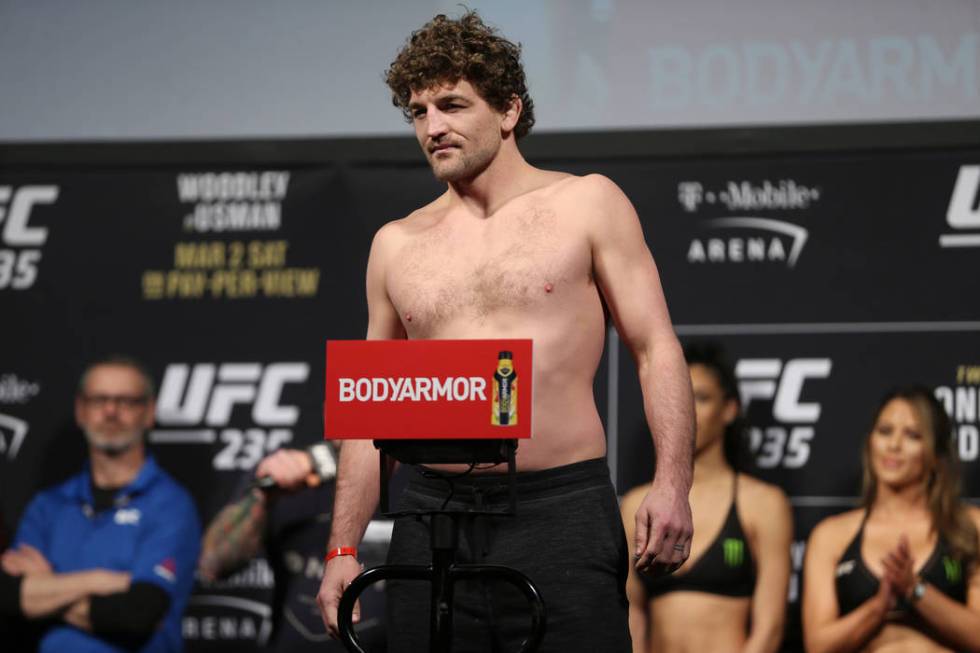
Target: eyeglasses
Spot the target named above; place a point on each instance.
(129, 402)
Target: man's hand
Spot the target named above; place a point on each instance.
(663, 530)
(291, 469)
(337, 576)
(25, 560)
(78, 614)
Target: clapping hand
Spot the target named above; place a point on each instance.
(899, 568)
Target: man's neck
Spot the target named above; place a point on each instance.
(115, 471)
(508, 176)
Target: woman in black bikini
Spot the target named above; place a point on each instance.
(730, 595)
(899, 573)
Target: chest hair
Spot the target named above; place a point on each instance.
(471, 272)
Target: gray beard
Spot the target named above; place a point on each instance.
(114, 448)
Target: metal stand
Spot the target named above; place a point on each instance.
(444, 533)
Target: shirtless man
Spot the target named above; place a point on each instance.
(512, 251)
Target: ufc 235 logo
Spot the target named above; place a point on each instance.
(786, 443)
(20, 242)
(963, 213)
(206, 395)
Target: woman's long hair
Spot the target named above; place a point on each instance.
(942, 485)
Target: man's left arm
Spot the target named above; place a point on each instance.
(630, 284)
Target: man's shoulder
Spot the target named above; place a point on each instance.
(167, 501)
(418, 220)
(48, 505)
(592, 196)
(166, 489)
(60, 492)
(170, 487)
(423, 216)
(593, 183)
(563, 184)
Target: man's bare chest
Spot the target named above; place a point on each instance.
(519, 262)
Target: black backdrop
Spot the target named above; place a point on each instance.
(832, 262)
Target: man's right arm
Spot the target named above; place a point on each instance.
(42, 596)
(358, 474)
(38, 590)
(31, 589)
(355, 499)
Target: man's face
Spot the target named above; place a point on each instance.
(114, 408)
(459, 132)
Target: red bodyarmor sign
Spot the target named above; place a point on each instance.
(428, 389)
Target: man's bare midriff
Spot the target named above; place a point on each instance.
(523, 272)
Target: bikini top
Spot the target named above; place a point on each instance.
(855, 583)
(726, 567)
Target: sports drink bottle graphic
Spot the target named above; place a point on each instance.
(504, 412)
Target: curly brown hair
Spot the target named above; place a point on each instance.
(446, 50)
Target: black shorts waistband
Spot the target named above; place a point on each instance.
(536, 484)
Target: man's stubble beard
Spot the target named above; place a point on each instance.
(465, 167)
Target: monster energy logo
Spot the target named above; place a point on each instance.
(954, 570)
(734, 551)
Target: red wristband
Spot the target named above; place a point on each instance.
(340, 551)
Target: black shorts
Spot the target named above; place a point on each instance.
(567, 538)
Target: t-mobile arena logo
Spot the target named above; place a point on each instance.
(748, 238)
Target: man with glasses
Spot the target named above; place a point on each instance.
(108, 556)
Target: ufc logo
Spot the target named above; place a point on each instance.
(130, 516)
(15, 218)
(768, 379)
(19, 267)
(208, 393)
(963, 211)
